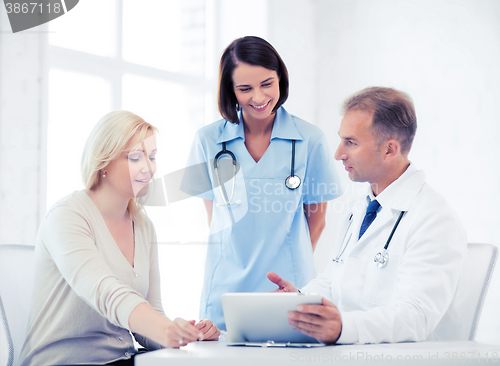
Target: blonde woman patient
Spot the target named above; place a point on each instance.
(97, 278)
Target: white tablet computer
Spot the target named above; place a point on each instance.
(263, 317)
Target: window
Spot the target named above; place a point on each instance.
(151, 57)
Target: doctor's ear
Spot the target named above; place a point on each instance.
(392, 149)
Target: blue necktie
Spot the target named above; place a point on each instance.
(371, 213)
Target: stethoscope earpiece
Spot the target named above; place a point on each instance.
(232, 204)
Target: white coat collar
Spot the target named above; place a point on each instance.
(397, 197)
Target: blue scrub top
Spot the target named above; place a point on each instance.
(267, 229)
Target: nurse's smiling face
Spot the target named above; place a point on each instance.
(257, 91)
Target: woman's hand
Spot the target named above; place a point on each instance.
(147, 322)
(209, 330)
(180, 332)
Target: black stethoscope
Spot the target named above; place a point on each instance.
(291, 182)
(381, 258)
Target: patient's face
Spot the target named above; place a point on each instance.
(358, 149)
(130, 173)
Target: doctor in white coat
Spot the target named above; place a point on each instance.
(403, 292)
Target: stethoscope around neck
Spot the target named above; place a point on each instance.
(223, 193)
(291, 182)
(382, 257)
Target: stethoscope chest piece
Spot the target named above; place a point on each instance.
(292, 182)
(381, 258)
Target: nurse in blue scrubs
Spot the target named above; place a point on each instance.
(258, 222)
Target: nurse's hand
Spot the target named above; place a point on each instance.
(283, 285)
(209, 330)
(322, 322)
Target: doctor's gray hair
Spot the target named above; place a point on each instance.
(393, 114)
(253, 51)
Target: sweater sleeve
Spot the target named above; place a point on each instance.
(154, 291)
(68, 238)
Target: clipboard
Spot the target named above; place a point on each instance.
(277, 345)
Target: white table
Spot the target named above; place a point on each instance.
(412, 353)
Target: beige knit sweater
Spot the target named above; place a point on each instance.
(85, 289)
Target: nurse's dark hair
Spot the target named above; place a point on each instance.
(393, 114)
(253, 51)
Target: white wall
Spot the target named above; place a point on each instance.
(293, 33)
(20, 110)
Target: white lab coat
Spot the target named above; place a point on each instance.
(406, 299)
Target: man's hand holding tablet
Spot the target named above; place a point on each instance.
(322, 322)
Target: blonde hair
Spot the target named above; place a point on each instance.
(106, 142)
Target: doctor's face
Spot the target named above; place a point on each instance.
(130, 173)
(358, 149)
(257, 91)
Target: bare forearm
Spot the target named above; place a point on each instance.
(209, 204)
(315, 215)
(316, 232)
(168, 333)
(149, 323)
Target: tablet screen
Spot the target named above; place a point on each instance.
(263, 317)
